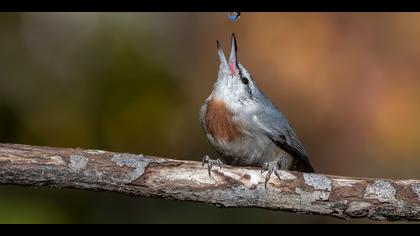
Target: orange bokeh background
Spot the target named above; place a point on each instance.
(134, 82)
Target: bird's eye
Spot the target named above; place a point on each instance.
(245, 80)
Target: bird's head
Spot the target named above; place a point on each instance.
(234, 84)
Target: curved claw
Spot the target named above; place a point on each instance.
(264, 168)
(210, 163)
(270, 167)
(267, 178)
(220, 163)
(209, 166)
(205, 159)
(276, 172)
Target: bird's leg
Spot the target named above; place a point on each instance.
(211, 162)
(272, 166)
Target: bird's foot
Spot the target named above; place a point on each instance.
(210, 162)
(272, 166)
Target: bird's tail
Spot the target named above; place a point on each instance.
(309, 169)
(306, 167)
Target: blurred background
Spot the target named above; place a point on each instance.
(134, 82)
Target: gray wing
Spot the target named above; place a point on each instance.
(275, 125)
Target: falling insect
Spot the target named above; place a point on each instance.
(233, 16)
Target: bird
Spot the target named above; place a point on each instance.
(243, 125)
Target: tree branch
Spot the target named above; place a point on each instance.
(343, 197)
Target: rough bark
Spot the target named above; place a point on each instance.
(140, 175)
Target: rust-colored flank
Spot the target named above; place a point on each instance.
(219, 121)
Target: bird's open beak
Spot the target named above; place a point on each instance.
(232, 65)
(233, 62)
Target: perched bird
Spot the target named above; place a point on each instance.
(244, 127)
